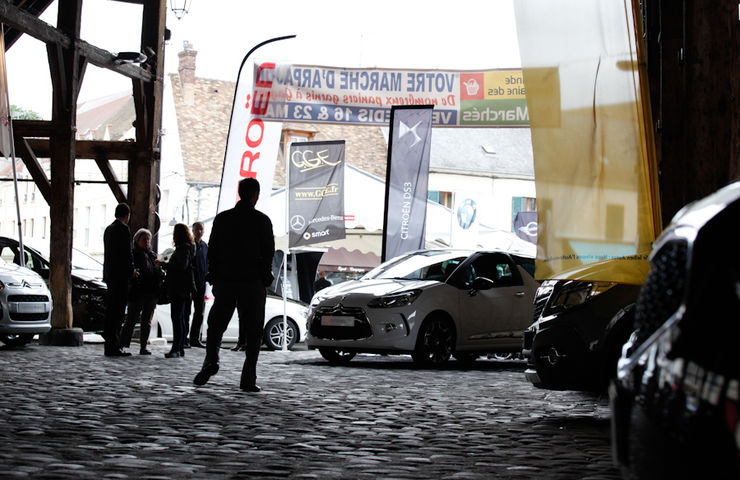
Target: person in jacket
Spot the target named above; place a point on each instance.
(180, 286)
(143, 291)
(199, 297)
(240, 270)
(118, 269)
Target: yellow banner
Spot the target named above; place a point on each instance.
(595, 173)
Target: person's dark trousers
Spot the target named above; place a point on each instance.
(115, 312)
(141, 310)
(198, 303)
(248, 298)
(179, 322)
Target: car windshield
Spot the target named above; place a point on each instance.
(84, 261)
(429, 265)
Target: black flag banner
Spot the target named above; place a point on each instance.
(409, 145)
(316, 192)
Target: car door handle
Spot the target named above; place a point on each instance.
(519, 294)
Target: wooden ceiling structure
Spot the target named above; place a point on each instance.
(68, 57)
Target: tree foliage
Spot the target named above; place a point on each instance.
(18, 113)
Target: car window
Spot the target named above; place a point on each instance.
(7, 254)
(493, 266)
(418, 266)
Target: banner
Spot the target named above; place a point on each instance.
(252, 145)
(594, 163)
(6, 145)
(525, 226)
(316, 192)
(410, 142)
(302, 93)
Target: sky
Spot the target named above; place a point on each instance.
(422, 34)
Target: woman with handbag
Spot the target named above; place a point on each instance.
(143, 292)
(180, 286)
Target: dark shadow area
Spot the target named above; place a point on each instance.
(404, 362)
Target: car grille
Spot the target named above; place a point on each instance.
(539, 306)
(28, 298)
(663, 290)
(360, 329)
(28, 317)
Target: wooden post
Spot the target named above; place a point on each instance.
(143, 169)
(67, 69)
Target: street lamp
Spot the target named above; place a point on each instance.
(180, 7)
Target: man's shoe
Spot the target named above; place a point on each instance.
(250, 388)
(144, 351)
(117, 353)
(186, 344)
(196, 344)
(172, 354)
(208, 370)
(237, 347)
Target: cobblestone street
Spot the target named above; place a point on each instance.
(70, 412)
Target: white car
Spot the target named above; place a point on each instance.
(429, 303)
(25, 304)
(297, 313)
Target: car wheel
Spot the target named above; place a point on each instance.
(434, 343)
(273, 334)
(16, 340)
(337, 356)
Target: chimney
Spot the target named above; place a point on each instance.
(187, 72)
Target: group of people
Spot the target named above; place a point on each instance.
(238, 265)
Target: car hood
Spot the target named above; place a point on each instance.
(10, 272)
(376, 286)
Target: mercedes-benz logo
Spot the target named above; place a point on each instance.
(297, 223)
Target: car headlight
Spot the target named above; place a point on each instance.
(395, 299)
(576, 293)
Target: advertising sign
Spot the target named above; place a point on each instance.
(252, 144)
(316, 192)
(408, 179)
(301, 93)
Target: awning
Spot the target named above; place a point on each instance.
(343, 260)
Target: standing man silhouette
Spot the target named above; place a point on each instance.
(199, 296)
(240, 270)
(118, 269)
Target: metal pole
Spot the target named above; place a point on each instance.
(21, 254)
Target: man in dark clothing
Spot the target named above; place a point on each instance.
(240, 269)
(118, 269)
(199, 296)
(321, 283)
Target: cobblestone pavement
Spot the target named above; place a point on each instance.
(70, 412)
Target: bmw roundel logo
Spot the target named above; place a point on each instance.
(466, 213)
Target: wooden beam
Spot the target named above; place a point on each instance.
(111, 179)
(33, 26)
(89, 149)
(32, 128)
(23, 149)
(65, 68)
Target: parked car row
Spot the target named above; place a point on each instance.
(276, 328)
(88, 288)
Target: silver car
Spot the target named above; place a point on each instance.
(25, 304)
(429, 303)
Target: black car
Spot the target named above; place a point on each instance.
(676, 400)
(578, 331)
(88, 288)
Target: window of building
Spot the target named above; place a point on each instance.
(443, 198)
(522, 204)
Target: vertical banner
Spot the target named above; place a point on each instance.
(316, 192)
(409, 145)
(252, 144)
(525, 226)
(5, 135)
